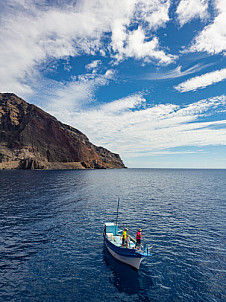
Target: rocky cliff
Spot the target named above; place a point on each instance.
(33, 139)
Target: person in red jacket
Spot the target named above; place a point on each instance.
(138, 238)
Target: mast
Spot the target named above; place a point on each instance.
(117, 212)
(116, 222)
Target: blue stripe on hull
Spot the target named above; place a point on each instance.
(122, 251)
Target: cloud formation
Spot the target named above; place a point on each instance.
(187, 10)
(175, 73)
(33, 34)
(136, 47)
(212, 39)
(93, 65)
(130, 127)
(74, 95)
(202, 81)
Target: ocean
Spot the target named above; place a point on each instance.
(51, 242)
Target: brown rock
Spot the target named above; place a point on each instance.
(34, 139)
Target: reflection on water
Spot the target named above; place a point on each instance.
(126, 279)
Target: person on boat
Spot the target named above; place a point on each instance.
(124, 237)
(138, 238)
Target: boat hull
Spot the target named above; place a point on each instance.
(134, 262)
(124, 255)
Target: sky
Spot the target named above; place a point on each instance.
(142, 78)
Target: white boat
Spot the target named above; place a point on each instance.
(129, 254)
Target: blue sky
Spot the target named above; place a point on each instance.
(142, 78)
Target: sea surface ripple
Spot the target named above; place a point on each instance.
(51, 243)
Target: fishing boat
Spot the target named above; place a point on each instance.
(128, 253)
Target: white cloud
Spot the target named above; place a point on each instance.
(175, 73)
(32, 34)
(93, 65)
(130, 127)
(202, 81)
(171, 152)
(212, 39)
(30, 40)
(190, 9)
(130, 102)
(109, 74)
(72, 96)
(155, 12)
(137, 47)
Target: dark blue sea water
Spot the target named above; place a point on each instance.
(51, 244)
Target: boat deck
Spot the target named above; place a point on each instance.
(117, 241)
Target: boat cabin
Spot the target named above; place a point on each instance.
(111, 227)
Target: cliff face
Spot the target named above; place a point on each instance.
(33, 139)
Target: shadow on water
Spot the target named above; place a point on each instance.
(126, 279)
